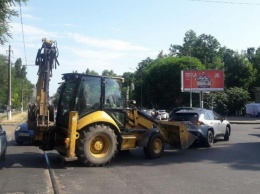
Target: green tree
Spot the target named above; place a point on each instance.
(161, 55)
(6, 13)
(253, 56)
(91, 72)
(217, 101)
(145, 63)
(109, 73)
(21, 88)
(237, 99)
(204, 47)
(157, 80)
(239, 72)
(229, 102)
(161, 82)
(20, 70)
(189, 41)
(128, 81)
(128, 78)
(56, 97)
(3, 81)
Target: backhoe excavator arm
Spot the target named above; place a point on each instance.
(41, 114)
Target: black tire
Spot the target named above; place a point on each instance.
(210, 139)
(155, 146)
(96, 146)
(2, 158)
(19, 142)
(227, 134)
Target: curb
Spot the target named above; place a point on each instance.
(244, 122)
(16, 119)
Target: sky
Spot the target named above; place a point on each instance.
(118, 34)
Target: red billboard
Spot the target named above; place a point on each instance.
(202, 80)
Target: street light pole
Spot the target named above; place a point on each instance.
(22, 102)
(9, 109)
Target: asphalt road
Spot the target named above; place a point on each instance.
(227, 167)
(24, 170)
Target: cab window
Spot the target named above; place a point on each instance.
(66, 92)
(113, 95)
(88, 95)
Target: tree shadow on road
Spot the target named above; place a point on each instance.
(236, 156)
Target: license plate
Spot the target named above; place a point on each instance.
(24, 134)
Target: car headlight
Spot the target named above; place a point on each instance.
(18, 128)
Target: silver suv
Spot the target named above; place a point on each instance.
(206, 124)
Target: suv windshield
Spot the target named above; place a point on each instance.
(88, 95)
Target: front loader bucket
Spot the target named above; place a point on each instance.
(176, 134)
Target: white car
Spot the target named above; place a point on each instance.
(163, 114)
(3, 143)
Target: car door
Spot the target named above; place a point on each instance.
(213, 122)
(222, 125)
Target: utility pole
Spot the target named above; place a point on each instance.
(190, 79)
(9, 109)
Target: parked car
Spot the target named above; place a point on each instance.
(163, 114)
(3, 143)
(23, 134)
(147, 113)
(206, 124)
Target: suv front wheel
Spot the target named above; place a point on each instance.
(210, 139)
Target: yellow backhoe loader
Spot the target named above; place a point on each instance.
(93, 119)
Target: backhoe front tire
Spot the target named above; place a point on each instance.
(155, 146)
(96, 146)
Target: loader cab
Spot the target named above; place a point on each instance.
(86, 94)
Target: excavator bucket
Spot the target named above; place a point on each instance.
(176, 134)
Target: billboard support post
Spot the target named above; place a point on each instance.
(201, 99)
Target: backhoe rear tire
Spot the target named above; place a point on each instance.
(96, 146)
(155, 146)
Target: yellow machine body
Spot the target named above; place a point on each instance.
(93, 119)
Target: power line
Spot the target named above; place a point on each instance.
(23, 33)
(226, 2)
